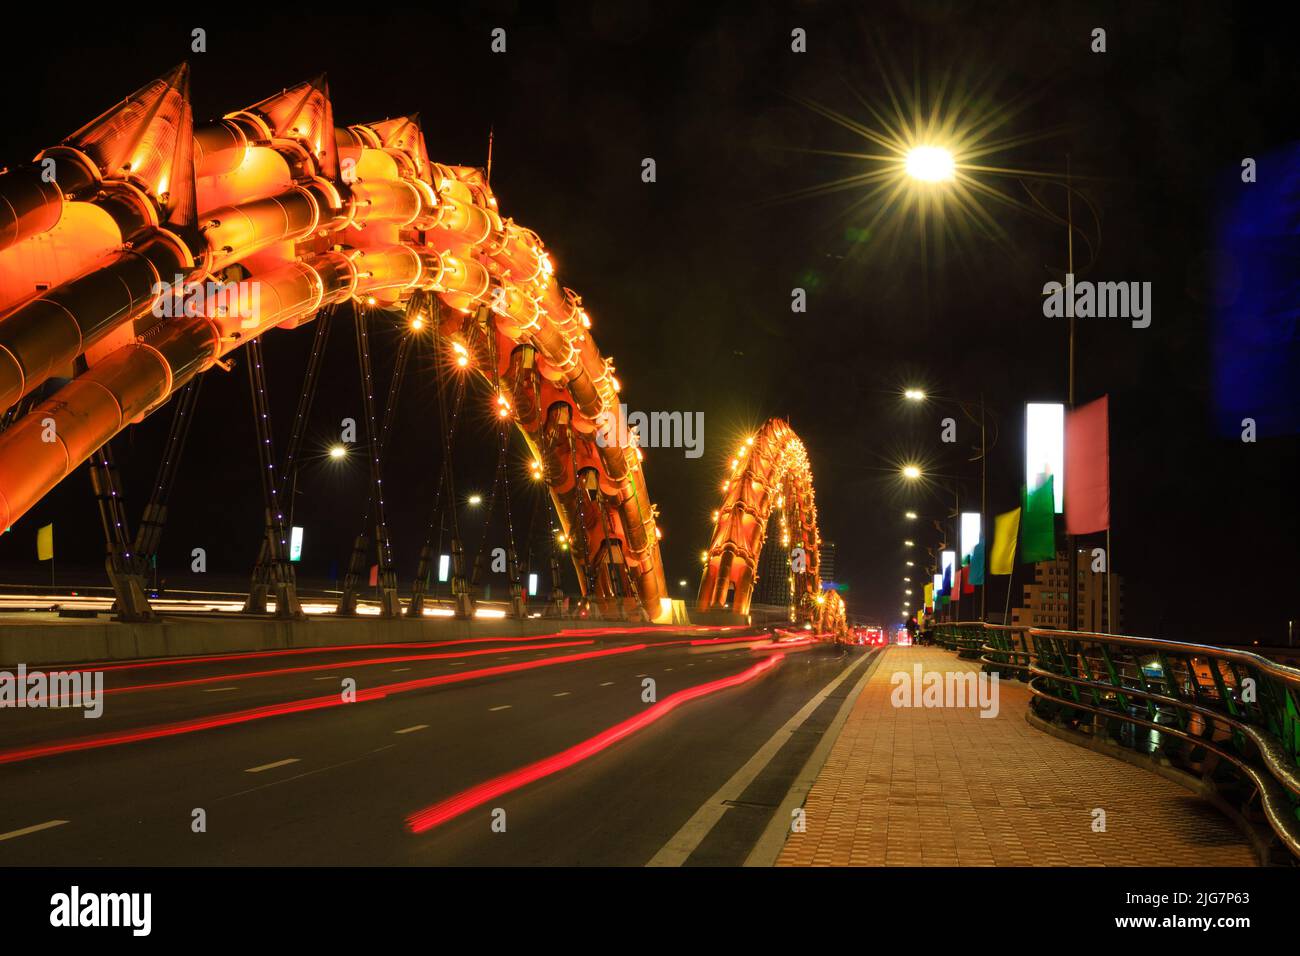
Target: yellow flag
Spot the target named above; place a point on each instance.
(1006, 529)
(929, 596)
(45, 543)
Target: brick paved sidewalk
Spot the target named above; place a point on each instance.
(911, 786)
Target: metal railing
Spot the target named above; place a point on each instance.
(1227, 716)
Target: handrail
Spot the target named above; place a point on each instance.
(1229, 716)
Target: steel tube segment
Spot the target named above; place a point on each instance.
(311, 214)
(769, 470)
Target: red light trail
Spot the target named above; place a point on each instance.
(177, 728)
(445, 810)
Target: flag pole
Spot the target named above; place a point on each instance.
(1073, 564)
(1006, 612)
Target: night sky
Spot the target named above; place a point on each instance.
(688, 279)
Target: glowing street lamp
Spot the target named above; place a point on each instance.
(338, 451)
(911, 472)
(914, 395)
(930, 164)
(910, 515)
(474, 500)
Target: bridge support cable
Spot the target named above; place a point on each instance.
(390, 604)
(148, 535)
(124, 572)
(288, 483)
(500, 487)
(278, 576)
(439, 512)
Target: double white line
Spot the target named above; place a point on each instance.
(676, 851)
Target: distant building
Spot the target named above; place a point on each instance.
(1046, 602)
(826, 559)
(772, 585)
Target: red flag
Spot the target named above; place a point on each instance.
(966, 586)
(374, 575)
(956, 582)
(1087, 467)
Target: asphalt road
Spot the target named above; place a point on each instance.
(335, 785)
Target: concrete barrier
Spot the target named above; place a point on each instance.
(81, 641)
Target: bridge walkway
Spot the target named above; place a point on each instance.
(943, 786)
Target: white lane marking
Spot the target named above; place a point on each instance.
(217, 690)
(503, 658)
(412, 729)
(454, 663)
(13, 834)
(563, 693)
(398, 670)
(272, 766)
(666, 669)
(692, 834)
(502, 707)
(608, 683)
(690, 664)
(326, 677)
(768, 847)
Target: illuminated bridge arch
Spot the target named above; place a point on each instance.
(769, 471)
(317, 216)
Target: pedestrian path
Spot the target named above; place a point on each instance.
(942, 786)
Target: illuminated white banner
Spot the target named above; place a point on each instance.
(295, 543)
(1045, 448)
(970, 533)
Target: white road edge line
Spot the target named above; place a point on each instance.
(685, 841)
(768, 848)
(48, 824)
(272, 766)
(412, 729)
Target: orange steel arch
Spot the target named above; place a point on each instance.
(769, 470)
(315, 215)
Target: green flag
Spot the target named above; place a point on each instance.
(1038, 524)
(977, 564)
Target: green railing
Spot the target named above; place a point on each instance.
(1230, 717)
(964, 637)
